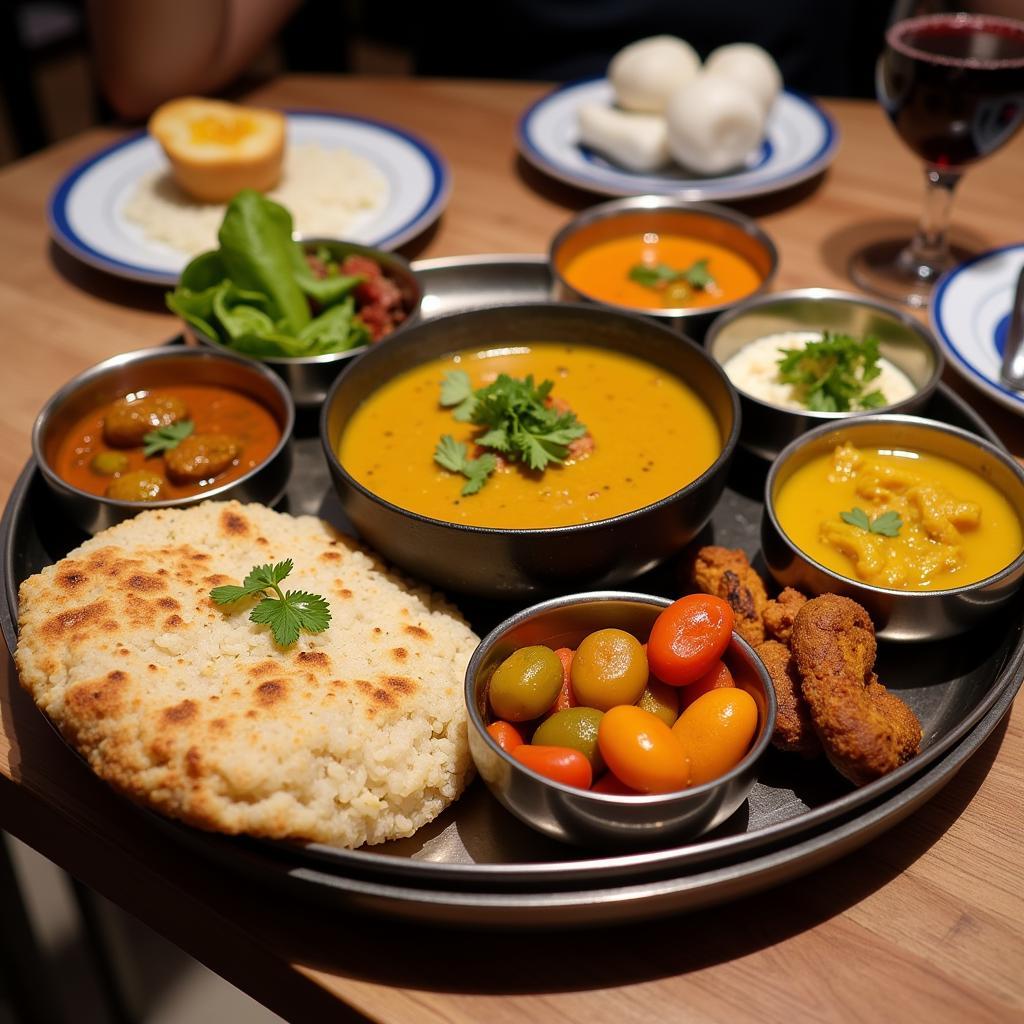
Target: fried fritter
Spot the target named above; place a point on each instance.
(865, 730)
(794, 730)
(727, 573)
(779, 614)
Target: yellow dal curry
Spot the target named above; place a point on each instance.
(652, 435)
(956, 528)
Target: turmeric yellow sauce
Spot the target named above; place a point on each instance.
(602, 271)
(955, 528)
(651, 436)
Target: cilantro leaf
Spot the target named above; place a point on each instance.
(888, 524)
(286, 613)
(660, 275)
(457, 390)
(163, 439)
(454, 456)
(831, 373)
(856, 517)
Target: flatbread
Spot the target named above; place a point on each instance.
(354, 735)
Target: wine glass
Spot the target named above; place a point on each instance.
(952, 83)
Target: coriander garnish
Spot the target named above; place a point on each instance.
(454, 455)
(517, 421)
(163, 439)
(888, 524)
(286, 613)
(676, 285)
(831, 374)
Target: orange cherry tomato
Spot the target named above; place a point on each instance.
(608, 783)
(715, 731)
(506, 736)
(688, 637)
(566, 698)
(717, 677)
(561, 764)
(640, 749)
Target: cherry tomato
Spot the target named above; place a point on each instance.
(506, 736)
(608, 783)
(715, 731)
(642, 751)
(609, 668)
(575, 728)
(717, 677)
(688, 637)
(561, 764)
(661, 700)
(566, 698)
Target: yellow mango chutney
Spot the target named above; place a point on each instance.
(956, 527)
(651, 436)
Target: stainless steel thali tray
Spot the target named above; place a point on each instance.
(476, 858)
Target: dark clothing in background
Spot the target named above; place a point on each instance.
(826, 47)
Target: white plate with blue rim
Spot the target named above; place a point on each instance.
(800, 142)
(970, 315)
(87, 210)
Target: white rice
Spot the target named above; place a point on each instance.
(754, 369)
(328, 191)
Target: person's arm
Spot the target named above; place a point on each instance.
(148, 52)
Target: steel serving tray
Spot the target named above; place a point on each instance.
(475, 858)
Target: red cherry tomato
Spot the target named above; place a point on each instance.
(688, 637)
(560, 764)
(716, 678)
(566, 698)
(608, 783)
(506, 736)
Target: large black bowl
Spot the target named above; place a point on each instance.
(507, 563)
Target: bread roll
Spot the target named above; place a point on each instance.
(646, 73)
(216, 149)
(638, 142)
(750, 66)
(714, 124)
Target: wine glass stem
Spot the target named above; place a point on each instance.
(930, 248)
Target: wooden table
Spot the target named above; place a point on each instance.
(924, 923)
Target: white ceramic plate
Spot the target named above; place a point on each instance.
(86, 210)
(801, 140)
(970, 314)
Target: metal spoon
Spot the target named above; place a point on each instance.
(1012, 372)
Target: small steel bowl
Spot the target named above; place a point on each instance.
(160, 367)
(602, 819)
(309, 377)
(897, 614)
(904, 341)
(515, 563)
(663, 214)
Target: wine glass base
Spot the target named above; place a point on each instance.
(889, 269)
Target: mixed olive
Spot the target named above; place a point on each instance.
(620, 716)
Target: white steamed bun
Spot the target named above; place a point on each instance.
(646, 73)
(750, 66)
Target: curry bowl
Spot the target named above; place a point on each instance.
(797, 315)
(308, 378)
(521, 555)
(588, 817)
(602, 254)
(134, 374)
(955, 509)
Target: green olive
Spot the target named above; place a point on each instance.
(609, 668)
(138, 486)
(526, 684)
(575, 728)
(109, 463)
(660, 699)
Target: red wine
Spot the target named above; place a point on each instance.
(953, 85)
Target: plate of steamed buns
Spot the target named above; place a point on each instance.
(664, 122)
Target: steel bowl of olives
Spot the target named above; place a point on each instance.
(613, 720)
(164, 427)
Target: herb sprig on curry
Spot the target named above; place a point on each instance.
(518, 418)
